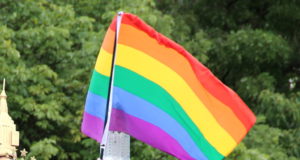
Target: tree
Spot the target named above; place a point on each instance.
(48, 49)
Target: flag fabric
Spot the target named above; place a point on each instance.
(163, 96)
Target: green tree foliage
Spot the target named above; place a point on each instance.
(48, 49)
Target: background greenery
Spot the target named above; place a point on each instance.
(48, 49)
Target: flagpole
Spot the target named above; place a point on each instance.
(110, 92)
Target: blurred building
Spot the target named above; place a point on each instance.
(9, 137)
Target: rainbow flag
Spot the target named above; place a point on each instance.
(163, 96)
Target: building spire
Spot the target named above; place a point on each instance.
(3, 103)
(3, 84)
(9, 137)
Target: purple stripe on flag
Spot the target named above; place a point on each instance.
(92, 126)
(147, 133)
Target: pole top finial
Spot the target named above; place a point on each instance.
(120, 13)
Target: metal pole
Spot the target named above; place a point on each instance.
(110, 95)
(118, 146)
